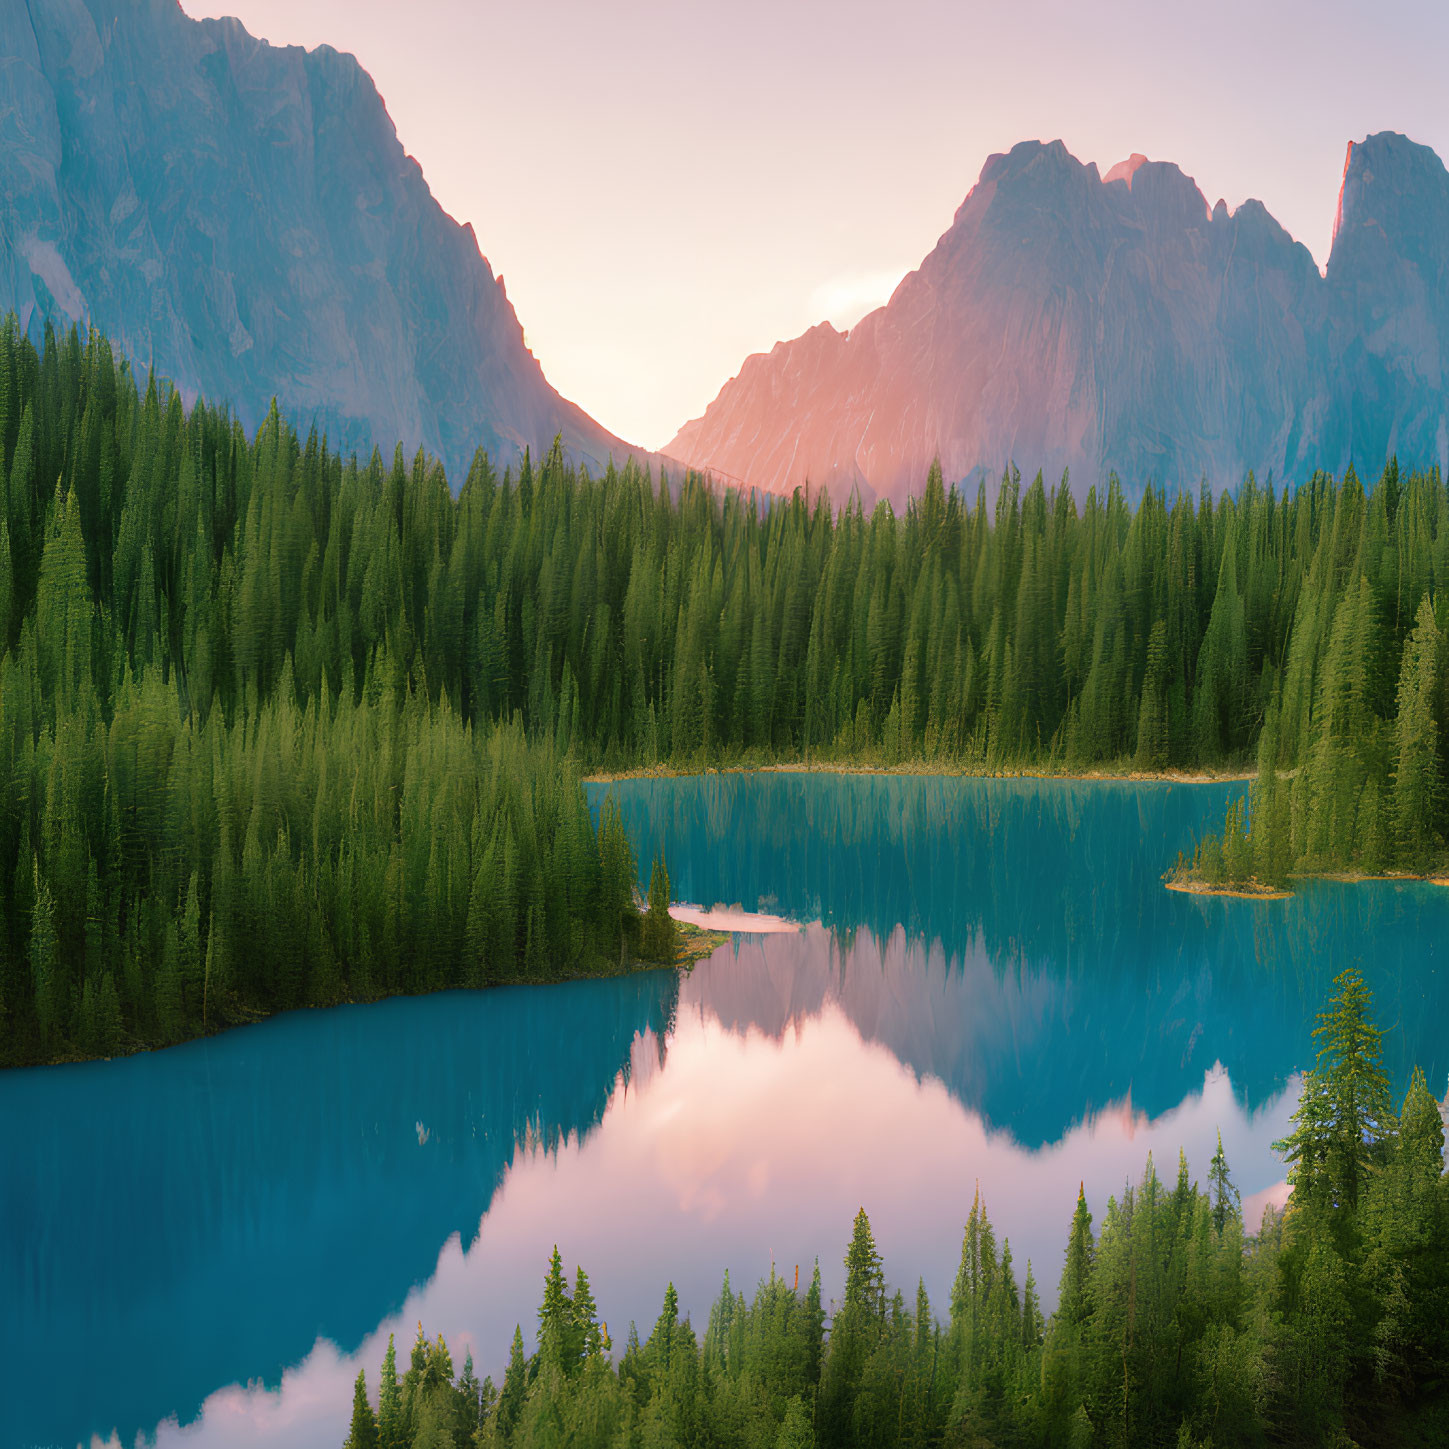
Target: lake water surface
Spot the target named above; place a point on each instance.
(965, 982)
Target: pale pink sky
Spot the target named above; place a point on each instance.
(668, 186)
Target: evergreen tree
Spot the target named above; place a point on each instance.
(515, 1386)
(1226, 1199)
(1357, 1087)
(660, 935)
(391, 1424)
(363, 1432)
(864, 1279)
(1418, 785)
(556, 1337)
(1069, 1347)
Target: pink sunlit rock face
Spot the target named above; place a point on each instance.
(1072, 321)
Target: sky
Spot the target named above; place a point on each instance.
(667, 186)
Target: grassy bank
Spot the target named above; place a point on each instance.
(951, 769)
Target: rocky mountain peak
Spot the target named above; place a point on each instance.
(244, 216)
(1125, 170)
(1027, 157)
(1393, 191)
(1064, 321)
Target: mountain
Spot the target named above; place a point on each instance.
(243, 216)
(1388, 283)
(1068, 320)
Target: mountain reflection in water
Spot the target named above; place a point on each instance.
(737, 1151)
(1013, 938)
(185, 1219)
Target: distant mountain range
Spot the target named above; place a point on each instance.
(243, 216)
(1068, 320)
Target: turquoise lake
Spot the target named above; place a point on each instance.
(962, 981)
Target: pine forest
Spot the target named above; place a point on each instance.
(284, 728)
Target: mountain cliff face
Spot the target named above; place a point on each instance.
(1074, 321)
(243, 216)
(1388, 283)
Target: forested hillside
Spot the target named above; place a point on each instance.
(1360, 724)
(1175, 1325)
(1351, 758)
(283, 727)
(230, 787)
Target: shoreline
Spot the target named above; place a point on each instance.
(1358, 877)
(696, 944)
(1252, 891)
(922, 768)
(1238, 890)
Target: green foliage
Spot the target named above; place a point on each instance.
(659, 937)
(391, 1421)
(287, 728)
(257, 727)
(1345, 1123)
(1417, 781)
(363, 1431)
(1351, 767)
(1227, 1201)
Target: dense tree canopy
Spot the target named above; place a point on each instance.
(281, 727)
(230, 785)
(630, 623)
(1352, 755)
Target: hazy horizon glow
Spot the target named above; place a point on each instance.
(667, 187)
